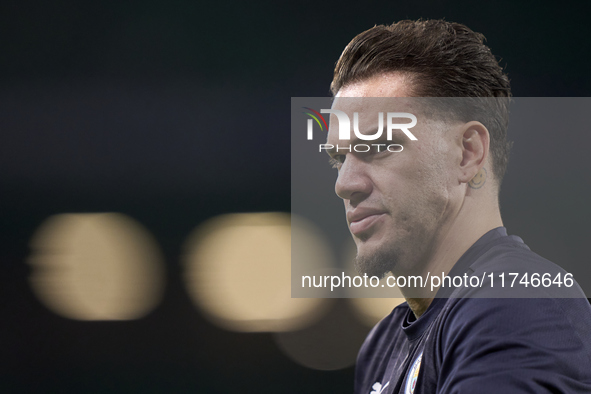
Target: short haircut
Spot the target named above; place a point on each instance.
(443, 59)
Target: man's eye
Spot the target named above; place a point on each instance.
(336, 161)
(379, 148)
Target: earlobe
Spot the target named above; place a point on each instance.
(475, 146)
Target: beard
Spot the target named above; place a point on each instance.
(403, 255)
(378, 263)
(381, 262)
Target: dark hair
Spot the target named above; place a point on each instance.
(443, 59)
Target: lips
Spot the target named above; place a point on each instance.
(361, 219)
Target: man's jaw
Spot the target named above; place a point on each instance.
(374, 263)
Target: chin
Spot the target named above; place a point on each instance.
(376, 263)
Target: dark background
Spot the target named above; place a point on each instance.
(175, 112)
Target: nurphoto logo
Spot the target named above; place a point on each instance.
(345, 129)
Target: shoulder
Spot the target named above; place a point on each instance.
(510, 343)
(511, 252)
(514, 334)
(522, 303)
(535, 318)
(509, 269)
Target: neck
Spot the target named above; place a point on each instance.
(471, 223)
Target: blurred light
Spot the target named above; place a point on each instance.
(238, 271)
(310, 256)
(371, 304)
(101, 266)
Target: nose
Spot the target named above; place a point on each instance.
(353, 182)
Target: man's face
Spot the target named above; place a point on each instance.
(397, 204)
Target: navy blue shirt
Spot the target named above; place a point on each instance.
(469, 342)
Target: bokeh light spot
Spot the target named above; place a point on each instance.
(102, 266)
(238, 272)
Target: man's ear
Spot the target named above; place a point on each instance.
(475, 141)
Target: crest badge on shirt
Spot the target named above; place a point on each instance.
(413, 374)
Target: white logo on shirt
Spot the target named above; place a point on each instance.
(377, 388)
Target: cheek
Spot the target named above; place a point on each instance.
(438, 185)
(421, 175)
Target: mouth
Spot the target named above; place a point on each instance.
(365, 223)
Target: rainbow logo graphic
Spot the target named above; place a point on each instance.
(317, 117)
